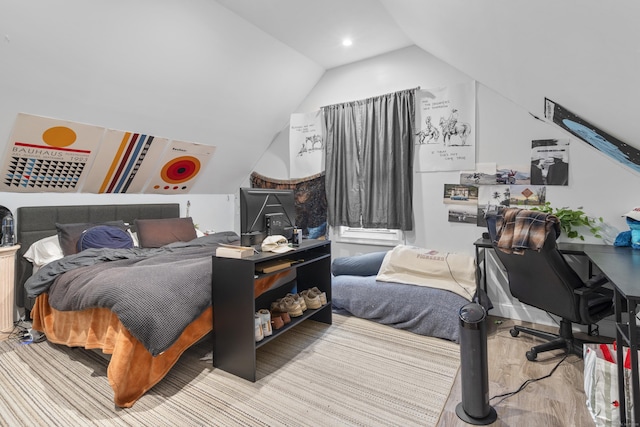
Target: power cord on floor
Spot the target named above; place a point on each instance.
(18, 330)
(527, 382)
(24, 334)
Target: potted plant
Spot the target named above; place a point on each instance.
(570, 219)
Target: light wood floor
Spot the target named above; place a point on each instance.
(555, 401)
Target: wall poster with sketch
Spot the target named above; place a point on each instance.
(306, 144)
(445, 137)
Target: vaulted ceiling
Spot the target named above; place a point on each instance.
(230, 72)
(586, 51)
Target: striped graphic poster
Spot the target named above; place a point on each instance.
(179, 168)
(48, 155)
(124, 162)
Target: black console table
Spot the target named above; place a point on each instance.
(234, 304)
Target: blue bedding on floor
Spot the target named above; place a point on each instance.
(419, 309)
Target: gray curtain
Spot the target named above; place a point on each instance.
(369, 161)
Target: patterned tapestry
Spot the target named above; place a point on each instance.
(311, 201)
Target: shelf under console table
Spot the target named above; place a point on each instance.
(235, 305)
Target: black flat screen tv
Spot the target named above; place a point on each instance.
(265, 212)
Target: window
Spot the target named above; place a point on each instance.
(369, 161)
(369, 236)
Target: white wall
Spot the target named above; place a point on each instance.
(188, 70)
(505, 131)
(582, 54)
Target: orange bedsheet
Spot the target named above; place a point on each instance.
(132, 370)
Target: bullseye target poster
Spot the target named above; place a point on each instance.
(179, 167)
(48, 155)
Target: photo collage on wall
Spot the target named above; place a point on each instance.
(52, 155)
(492, 186)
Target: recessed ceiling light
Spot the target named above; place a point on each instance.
(347, 42)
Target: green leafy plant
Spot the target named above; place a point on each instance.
(570, 219)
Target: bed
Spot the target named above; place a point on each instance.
(414, 289)
(116, 299)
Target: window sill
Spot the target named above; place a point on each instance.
(369, 236)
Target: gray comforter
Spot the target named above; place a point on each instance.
(155, 293)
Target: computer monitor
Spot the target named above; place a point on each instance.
(265, 212)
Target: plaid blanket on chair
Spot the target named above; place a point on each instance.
(520, 229)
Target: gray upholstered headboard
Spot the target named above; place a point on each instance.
(37, 222)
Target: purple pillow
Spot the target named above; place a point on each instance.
(68, 234)
(104, 236)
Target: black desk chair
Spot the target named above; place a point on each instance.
(544, 279)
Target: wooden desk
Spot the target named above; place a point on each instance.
(621, 266)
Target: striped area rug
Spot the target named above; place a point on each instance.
(352, 373)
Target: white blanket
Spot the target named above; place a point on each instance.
(427, 267)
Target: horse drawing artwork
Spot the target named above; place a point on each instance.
(429, 133)
(311, 143)
(449, 128)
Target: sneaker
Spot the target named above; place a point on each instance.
(311, 298)
(323, 295)
(299, 300)
(289, 305)
(265, 318)
(259, 333)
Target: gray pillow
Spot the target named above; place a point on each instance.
(358, 265)
(154, 233)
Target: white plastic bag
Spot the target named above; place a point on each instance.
(601, 385)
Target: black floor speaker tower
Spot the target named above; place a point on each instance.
(474, 373)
